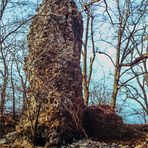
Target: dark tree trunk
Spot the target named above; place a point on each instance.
(53, 64)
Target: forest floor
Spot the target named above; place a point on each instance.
(136, 141)
(106, 130)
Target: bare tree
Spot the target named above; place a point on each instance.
(88, 50)
(126, 24)
(14, 22)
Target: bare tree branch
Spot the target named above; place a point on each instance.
(100, 52)
(136, 61)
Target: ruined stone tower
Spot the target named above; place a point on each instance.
(53, 67)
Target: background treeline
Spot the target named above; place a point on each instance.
(114, 55)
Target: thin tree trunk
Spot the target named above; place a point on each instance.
(117, 65)
(13, 95)
(115, 88)
(85, 83)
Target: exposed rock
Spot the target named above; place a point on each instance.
(11, 137)
(22, 143)
(87, 143)
(3, 141)
(139, 146)
(55, 106)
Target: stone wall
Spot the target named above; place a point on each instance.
(56, 105)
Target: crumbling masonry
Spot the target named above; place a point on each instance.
(54, 73)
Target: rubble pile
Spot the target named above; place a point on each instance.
(102, 122)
